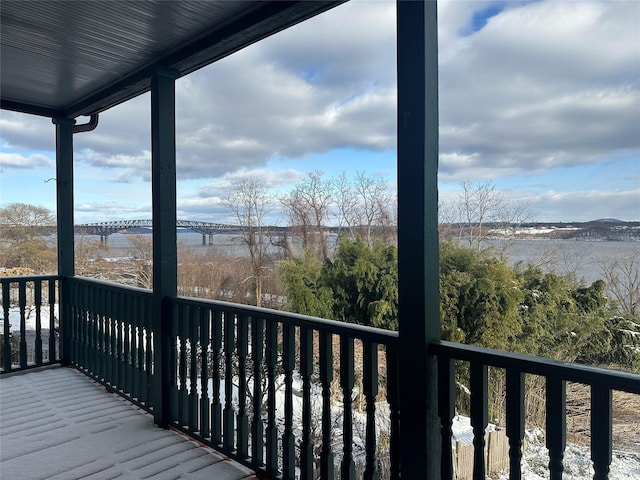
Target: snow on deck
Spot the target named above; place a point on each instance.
(57, 424)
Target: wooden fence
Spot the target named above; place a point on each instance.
(496, 455)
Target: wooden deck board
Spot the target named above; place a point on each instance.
(56, 423)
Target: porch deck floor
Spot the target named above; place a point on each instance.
(57, 424)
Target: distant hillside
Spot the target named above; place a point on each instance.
(606, 229)
(602, 229)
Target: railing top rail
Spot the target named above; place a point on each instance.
(113, 285)
(573, 372)
(27, 278)
(377, 335)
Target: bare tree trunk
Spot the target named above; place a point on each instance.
(249, 204)
(309, 205)
(622, 276)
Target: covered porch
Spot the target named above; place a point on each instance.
(270, 390)
(322, 399)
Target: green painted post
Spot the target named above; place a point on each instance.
(52, 338)
(601, 430)
(515, 420)
(242, 328)
(556, 424)
(22, 302)
(163, 194)
(479, 416)
(6, 330)
(257, 423)
(64, 208)
(418, 266)
(37, 287)
(326, 377)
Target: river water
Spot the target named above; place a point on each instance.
(583, 258)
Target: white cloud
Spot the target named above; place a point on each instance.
(587, 205)
(542, 85)
(551, 205)
(273, 179)
(26, 132)
(17, 160)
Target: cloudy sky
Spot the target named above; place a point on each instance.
(540, 98)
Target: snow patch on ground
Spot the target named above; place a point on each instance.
(577, 462)
(30, 317)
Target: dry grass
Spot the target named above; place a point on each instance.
(626, 418)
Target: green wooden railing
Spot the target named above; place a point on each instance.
(556, 374)
(287, 395)
(110, 336)
(30, 322)
(279, 391)
(275, 391)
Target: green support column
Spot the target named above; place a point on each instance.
(165, 257)
(418, 266)
(64, 214)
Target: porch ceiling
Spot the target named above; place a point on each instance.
(63, 58)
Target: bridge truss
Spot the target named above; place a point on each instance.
(105, 229)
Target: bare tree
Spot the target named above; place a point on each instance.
(373, 201)
(141, 253)
(249, 204)
(365, 203)
(89, 258)
(622, 276)
(477, 205)
(482, 211)
(300, 215)
(347, 204)
(361, 206)
(509, 218)
(22, 240)
(310, 202)
(447, 219)
(389, 219)
(20, 221)
(561, 261)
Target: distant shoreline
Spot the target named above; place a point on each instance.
(596, 230)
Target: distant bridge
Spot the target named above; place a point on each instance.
(108, 228)
(104, 229)
(206, 229)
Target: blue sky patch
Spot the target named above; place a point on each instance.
(310, 76)
(481, 17)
